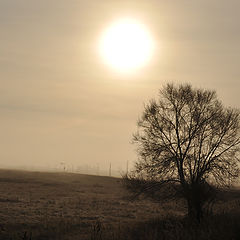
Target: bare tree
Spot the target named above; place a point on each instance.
(187, 141)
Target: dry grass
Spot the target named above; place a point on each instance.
(53, 206)
(64, 205)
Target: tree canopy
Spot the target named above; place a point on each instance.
(188, 137)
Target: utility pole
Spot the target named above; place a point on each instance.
(110, 170)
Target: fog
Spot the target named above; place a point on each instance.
(61, 106)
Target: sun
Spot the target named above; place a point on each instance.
(126, 45)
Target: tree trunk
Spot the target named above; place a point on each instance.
(194, 209)
(194, 203)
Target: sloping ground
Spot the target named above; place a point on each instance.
(63, 205)
(50, 206)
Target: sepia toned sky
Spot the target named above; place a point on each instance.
(60, 103)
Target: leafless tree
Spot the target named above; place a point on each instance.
(187, 141)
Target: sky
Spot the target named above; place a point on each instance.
(59, 102)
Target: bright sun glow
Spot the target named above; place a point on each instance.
(126, 45)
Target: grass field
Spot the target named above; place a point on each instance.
(36, 206)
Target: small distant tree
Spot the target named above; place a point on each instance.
(187, 142)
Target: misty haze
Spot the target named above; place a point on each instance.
(119, 120)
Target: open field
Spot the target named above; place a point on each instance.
(73, 206)
(62, 203)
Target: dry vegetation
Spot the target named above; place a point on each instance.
(53, 206)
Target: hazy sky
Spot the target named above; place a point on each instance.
(60, 102)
